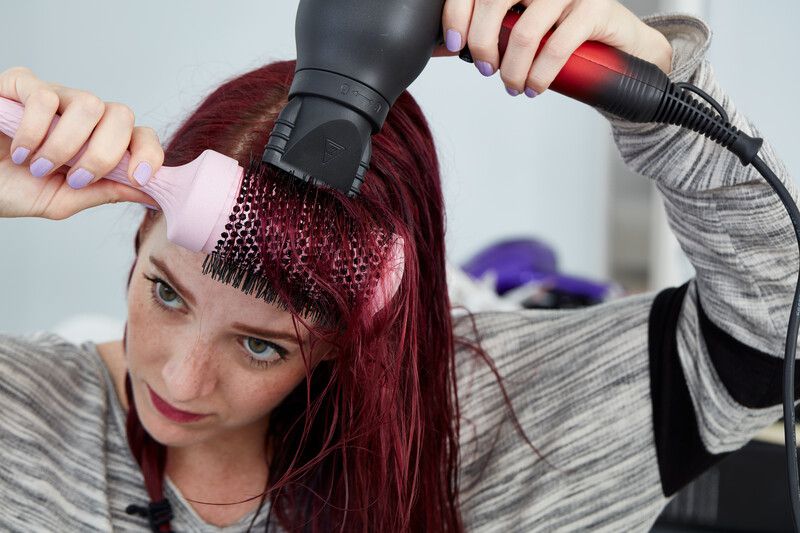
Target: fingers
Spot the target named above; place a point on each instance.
(147, 156)
(575, 28)
(105, 128)
(80, 113)
(484, 29)
(109, 140)
(523, 42)
(456, 17)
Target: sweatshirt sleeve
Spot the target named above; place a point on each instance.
(716, 344)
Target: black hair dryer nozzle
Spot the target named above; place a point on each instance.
(354, 58)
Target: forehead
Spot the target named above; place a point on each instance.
(224, 300)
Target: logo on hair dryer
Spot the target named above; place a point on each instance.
(332, 151)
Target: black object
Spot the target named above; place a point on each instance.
(354, 58)
(745, 492)
(157, 513)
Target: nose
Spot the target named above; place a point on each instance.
(190, 373)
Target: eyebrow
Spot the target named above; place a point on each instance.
(185, 293)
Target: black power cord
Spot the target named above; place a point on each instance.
(679, 108)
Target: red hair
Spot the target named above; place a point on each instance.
(369, 442)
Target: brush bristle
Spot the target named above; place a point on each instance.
(287, 240)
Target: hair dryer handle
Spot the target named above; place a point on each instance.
(600, 76)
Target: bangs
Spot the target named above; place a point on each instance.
(305, 248)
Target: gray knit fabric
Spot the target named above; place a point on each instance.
(578, 379)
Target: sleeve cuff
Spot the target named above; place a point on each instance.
(690, 38)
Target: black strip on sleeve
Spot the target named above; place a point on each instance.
(753, 378)
(680, 452)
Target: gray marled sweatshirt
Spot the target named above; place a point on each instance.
(627, 401)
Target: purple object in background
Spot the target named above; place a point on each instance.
(516, 262)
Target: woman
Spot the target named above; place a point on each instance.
(523, 421)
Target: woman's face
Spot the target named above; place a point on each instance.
(205, 347)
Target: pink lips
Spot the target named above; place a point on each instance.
(176, 415)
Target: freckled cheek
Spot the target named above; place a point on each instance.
(255, 398)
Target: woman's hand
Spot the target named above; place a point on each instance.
(59, 191)
(477, 23)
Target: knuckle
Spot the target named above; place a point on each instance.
(97, 162)
(56, 153)
(148, 131)
(487, 3)
(46, 97)
(557, 50)
(91, 105)
(121, 110)
(521, 37)
(17, 71)
(149, 143)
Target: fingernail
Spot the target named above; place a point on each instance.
(148, 206)
(142, 173)
(530, 93)
(41, 166)
(453, 40)
(512, 92)
(80, 178)
(20, 154)
(485, 68)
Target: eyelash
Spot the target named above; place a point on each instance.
(154, 281)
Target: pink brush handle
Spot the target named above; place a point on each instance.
(196, 198)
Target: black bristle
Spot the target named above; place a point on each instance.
(237, 262)
(251, 256)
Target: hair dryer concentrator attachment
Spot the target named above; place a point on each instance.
(354, 58)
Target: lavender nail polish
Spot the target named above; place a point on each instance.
(512, 92)
(41, 166)
(80, 178)
(143, 172)
(485, 68)
(453, 40)
(20, 154)
(530, 93)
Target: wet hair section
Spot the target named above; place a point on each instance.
(298, 246)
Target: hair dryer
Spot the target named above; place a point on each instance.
(355, 57)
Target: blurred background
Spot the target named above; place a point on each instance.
(545, 171)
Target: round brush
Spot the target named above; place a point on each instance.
(247, 220)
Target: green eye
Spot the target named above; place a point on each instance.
(263, 353)
(162, 294)
(166, 293)
(259, 347)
